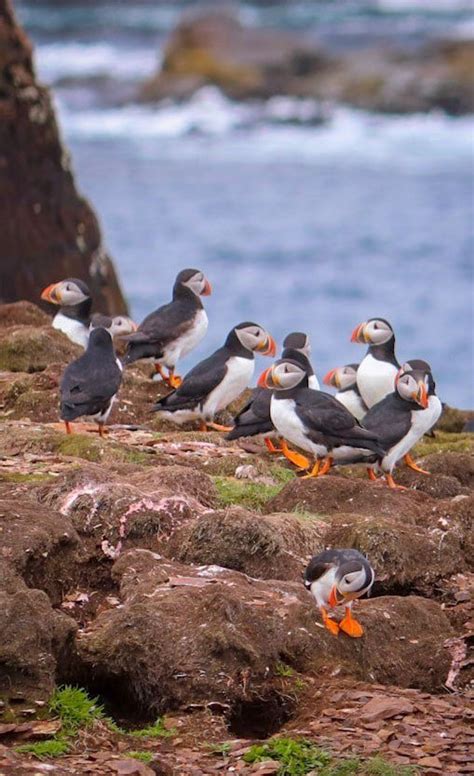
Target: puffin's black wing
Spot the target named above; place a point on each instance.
(158, 329)
(390, 419)
(318, 566)
(87, 385)
(197, 384)
(254, 418)
(323, 414)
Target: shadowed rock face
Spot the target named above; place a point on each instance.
(48, 230)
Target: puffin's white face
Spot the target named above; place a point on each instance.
(351, 583)
(413, 386)
(122, 324)
(373, 332)
(285, 375)
(255, 338)
(66, 293)
(199, 285)
(342, 377)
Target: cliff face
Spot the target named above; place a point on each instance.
(48, 231)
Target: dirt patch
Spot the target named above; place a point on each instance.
(22, 314)
(33, 348)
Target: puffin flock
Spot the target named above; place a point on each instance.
(380, 411)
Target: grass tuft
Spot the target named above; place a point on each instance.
(253, 495)
(296, 756)
(282, 669)
(52, 747)
(74, 708)
(144, 757)
(220, 749)
(158, 730)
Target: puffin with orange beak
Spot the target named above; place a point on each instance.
(218, 380)
(73, 298)
(254, 419)
(173, 330)
(401, 419)
(335, 578)
(377, 371)
(313, 420)
(344, 378)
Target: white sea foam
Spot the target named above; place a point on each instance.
(84, 60)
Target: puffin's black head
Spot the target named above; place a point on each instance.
(284, 375)
(252, 337)
(342, 377)
(298, 340)
(413, 386)
(67, 293)
(419, 363)
(374, 331)
(100, 338)
(194, 280)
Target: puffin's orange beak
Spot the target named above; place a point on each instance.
(134, 326)
(358, 334)
(207, 290)
(331, 378)
(268, 348)
(50, 294)
(332, 600)
(421, 396)
(264, 377)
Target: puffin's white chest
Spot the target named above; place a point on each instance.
(187, 341)
(375, 379)
(74, 330)
(352, 402)
(237, 378)
(433, 412)
(290, 426)
(313, 383)
(419, 426)
(321, 587)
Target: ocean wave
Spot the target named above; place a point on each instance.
(84, 60)
(282, 128)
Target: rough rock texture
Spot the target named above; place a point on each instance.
(215, 48)
(48, 230)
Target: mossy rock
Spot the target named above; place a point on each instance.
(33, 349)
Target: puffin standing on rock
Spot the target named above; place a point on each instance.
(218, 380)
(313, 420)
(75, 303)
(90, 383)
(336, 577)
(344, 378)
(401, 419)
(377, 371)
(254, 419)
(176, 328)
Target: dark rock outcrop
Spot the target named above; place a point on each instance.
(48, 230)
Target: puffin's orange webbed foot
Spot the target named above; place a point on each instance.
(291, 455)
(68, 427)
(314, 471)
(352, 627)
(174, 381)
(326, 466)
(371, 474)
(331, 625)
(202, 425)
(413, 465)
(271, 447)
(219, 427)
(392, 484)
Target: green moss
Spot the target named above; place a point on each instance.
(252, 495)
(144, 757)
(282, 669)
(81, 446)
(19, 477)
(157, 730)
(281, 473)
(220, 749)
(297, 756)
(376, 766)
(53, 747)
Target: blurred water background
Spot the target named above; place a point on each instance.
(298, 226)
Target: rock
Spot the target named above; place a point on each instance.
(48, 230)
(33, 348)
(333, 494)
(379, 708)
(22, 313)
(268, 547)
(456, 465)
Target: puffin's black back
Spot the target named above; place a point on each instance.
(390, 419)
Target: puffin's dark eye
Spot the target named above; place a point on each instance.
(375, 326)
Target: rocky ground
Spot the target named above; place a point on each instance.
(161, 571)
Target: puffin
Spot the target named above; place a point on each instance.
(433, 411)
(90, 384)
(313, 420)
(254, 418)
(336, 577)
(377, 371)
(400, 420)
(344, 378)
(176, 328)
(218, 380)
(75, 302)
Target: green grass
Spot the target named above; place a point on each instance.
(220, 749)
(444, 442)
(144, 757)
(157, 730)
(253, 495)
(19, 477)
(376, 766)
(52, 747)
(74, 708)
(282, 669)
(296, 756)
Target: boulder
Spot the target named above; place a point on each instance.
(48, 230)
(33, 348)
(22, 314)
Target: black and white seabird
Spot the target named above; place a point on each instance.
(400, 420)
(90, 383)
(344, 378)
(313, 420)
(254, 419)
(377, 371)
(75, 303)
(176, 328)
(218, 380)
(336, 577)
